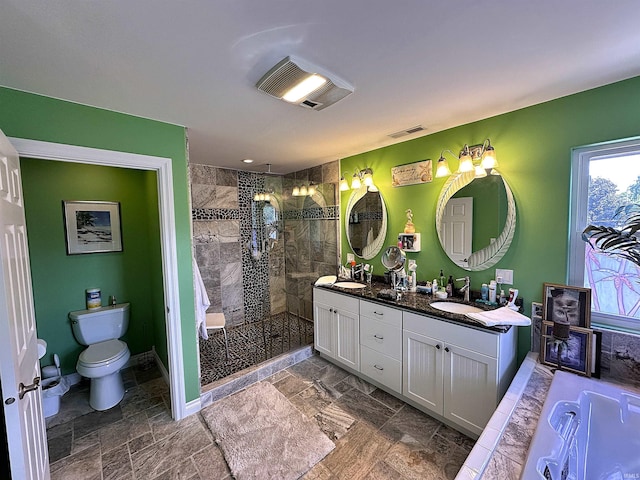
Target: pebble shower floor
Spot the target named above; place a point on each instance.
(251, 344)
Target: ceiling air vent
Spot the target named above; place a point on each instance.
(290, 71)
(408, 131)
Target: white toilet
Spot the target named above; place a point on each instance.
(100, 329)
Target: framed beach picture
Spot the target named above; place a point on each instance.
(567, 304)
(575, 353)
(92, 227)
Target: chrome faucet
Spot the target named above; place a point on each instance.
(465, 288)
(357, 271)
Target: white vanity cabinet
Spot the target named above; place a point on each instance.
(336, 323)
(457, 372)
(381, 344)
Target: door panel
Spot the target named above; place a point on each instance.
(26, 432)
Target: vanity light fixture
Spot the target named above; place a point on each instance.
(359, 178)
(479, 158)
(262, 197)
(304, 190)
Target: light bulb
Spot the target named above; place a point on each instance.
(355, 182)
(489, 159)
(442, 169)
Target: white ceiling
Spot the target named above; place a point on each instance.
(412, 62)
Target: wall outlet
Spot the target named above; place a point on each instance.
(350, 257)
(506, 275)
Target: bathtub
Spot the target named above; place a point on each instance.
(587, 430)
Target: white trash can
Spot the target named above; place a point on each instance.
(52, 389)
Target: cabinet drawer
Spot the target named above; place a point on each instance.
(381, 368)
(381, 313)
(336, 300)
(381, 337)
(486, 343)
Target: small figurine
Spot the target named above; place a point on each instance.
(409, 226)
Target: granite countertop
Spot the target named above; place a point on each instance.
(417, 302)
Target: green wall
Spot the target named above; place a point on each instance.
(533, 146)
(36, 117)
(59, 280)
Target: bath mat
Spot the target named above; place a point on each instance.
(264, 436)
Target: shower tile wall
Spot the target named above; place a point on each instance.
(311, 234)
(247, 287)
(216, 238)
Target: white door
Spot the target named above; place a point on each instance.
(19, 366)
(457, 228)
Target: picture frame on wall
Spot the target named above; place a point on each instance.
(92, 227)
(576, 352)
(566, 303)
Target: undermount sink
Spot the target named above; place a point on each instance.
(453, 307)
(349, 285)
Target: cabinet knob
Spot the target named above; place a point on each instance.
(378, 367)
(378, 313)
(446, 349)
(378, 337)
(438, 346)
(331, 310)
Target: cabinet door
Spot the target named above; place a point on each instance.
(422, 370)
(347, 338)
(470, 387)
(323, 328)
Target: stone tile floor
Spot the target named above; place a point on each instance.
(383, 439)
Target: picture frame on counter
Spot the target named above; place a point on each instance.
(567, 304)
(576, 353)
(92, 227)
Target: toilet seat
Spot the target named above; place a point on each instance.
(103, 353)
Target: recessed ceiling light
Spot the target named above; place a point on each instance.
(247, 160)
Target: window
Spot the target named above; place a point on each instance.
(605, 177)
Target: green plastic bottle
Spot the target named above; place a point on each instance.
(443, 280)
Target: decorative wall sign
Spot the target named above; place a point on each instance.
(92, 227)
(412, 174)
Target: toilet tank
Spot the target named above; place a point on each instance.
(105, 323)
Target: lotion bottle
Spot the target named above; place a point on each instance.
(492, 291)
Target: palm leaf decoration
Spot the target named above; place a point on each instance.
(621, 242)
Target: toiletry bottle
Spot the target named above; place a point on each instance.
(484, 292)
(492, 291)
(503, 299)
(450, 286)
(434, 286)
(443, 280)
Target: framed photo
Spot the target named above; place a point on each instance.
(564, 303)
(92, 227)
(596, 354)
(576, 352)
